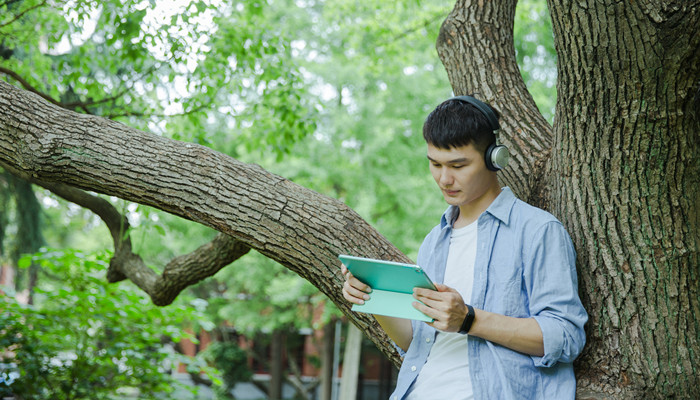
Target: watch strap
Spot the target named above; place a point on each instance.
(468, 320)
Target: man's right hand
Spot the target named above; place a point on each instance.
(354, 290)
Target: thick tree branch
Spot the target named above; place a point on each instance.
(299, 228)
(476, 47)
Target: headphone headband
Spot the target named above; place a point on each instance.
(481, 106)
(496, 156)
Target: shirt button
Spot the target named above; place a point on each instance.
(427, 340)
(413, 368)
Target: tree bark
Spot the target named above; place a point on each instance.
(626, 182)
(622, 173)
(299, 228)
(475, 45)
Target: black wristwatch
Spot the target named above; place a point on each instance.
(468, 320)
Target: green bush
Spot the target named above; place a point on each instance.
(85, 338)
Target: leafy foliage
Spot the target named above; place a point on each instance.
(231, 360)
(535, 53)
(85, 338)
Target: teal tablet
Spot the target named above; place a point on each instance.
(392, 286)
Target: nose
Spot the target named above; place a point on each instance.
(446, 178)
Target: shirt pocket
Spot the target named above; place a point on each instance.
(504, 290)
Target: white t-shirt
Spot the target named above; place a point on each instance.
(445, 374)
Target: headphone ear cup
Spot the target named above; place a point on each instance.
(496, 157)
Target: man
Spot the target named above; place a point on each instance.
(508, 321)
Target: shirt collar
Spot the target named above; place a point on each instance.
(499, 208)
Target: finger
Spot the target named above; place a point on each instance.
(352, 299)
(449, 295)
(436, 315)
(435, 304)
(430, 312)
(421, 294)
(354, 294)
(358, 284)
(439, 321)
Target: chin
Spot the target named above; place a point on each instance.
(452, 201)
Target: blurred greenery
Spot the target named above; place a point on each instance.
(87, 339)
(328, 93)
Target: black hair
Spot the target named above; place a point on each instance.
(455, 123)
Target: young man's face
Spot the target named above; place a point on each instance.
(462, 175)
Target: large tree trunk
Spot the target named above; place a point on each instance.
(625, 168)
(622, 174)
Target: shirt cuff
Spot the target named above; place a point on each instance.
(553, 341)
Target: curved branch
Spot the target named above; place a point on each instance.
(75, 104)
(28, 86)
(178, 274)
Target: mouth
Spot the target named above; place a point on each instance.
(450, 192)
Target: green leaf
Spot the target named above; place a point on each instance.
(25, 261)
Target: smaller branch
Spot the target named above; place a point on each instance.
(415, 28)
(8, 2)
(76, 104)
(125, 90)
(20, 15)
(85, 104)
(115, 221)
(179, 273)
(162, 115)
(28, 86)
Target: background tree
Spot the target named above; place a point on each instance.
(619, 167)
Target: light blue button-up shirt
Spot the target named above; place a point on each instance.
(525, 267)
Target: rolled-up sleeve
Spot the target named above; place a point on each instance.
(552, 286)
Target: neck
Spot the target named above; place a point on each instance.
(469, 213)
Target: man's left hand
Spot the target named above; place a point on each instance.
(445, 306)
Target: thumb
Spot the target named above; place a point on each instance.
(443, 288)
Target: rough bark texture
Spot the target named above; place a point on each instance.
(622, 173)
(626, 181)
(299, 228)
